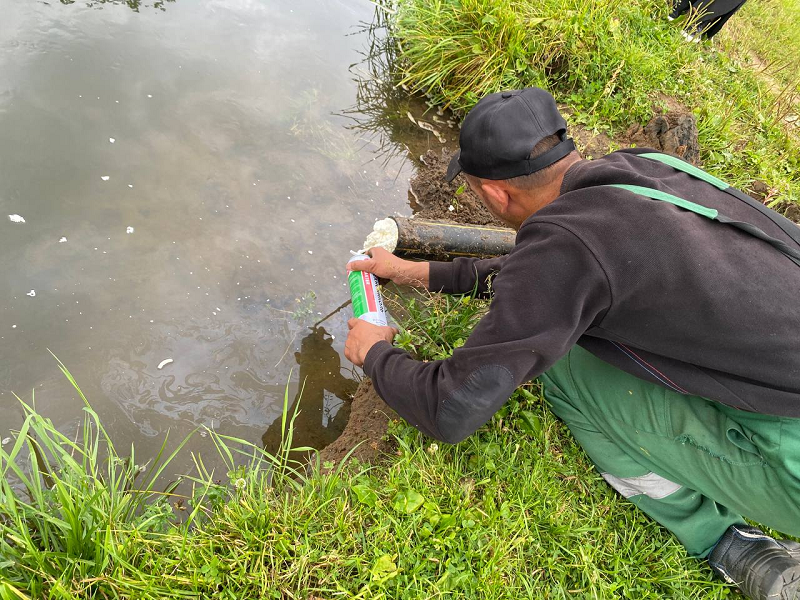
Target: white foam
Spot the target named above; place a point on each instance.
(384, 234)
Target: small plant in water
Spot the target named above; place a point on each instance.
(305, 306)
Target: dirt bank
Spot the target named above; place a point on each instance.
(433, 196)
(366, 429)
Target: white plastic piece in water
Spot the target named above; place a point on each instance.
(384, 234)
(129, 230)
(62, 240)
(5, 441)
(13, 327)
(105, 177)
(16, 219)
(310, 252)
(149, 95)
(130, 185)
(112, 140)
(32, 293)
(164, 363)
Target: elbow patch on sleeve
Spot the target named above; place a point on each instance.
(474, 402)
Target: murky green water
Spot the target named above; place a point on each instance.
(190, 190)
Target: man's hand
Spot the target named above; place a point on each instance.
(362, 337)
(386, 265)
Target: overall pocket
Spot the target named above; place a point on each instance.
(703, 424)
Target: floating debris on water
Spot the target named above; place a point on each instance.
(130, 185)
(105, 177)
(62, 240)
(129, 230)
(16, 219)
(32, 293)
(310, 252)
(164, 363)
(5, 441)
(112, 140)
(149, 95)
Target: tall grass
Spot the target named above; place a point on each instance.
(602, 54)
(77, 513)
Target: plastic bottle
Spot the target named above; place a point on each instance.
(367, 300)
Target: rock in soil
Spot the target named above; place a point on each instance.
(673, 133)
(759, 190)
(369, 418)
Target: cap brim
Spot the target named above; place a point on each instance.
(454, 168)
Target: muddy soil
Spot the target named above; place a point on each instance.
(366, 429)
(433, 196)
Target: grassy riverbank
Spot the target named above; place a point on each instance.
(612, 62)
(515, 511)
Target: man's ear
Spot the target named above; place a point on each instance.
(497, 193)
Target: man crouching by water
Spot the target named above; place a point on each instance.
(659, 309)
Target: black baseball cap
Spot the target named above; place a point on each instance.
(498, 134)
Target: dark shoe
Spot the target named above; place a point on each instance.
(763, 568)
(679, 7)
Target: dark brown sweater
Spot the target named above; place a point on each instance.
(662, 293)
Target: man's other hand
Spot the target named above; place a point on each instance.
(386, 265)
(362, 337)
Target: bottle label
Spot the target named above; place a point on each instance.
(367, 301)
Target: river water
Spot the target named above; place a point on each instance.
(192, 175)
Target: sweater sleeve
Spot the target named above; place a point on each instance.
(550, 291)
(464, 274)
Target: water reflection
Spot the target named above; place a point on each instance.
(385, 115)
(199, 173)
(134, 5)
(324, 396)
(220, 374)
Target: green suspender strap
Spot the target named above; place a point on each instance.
(792, 230)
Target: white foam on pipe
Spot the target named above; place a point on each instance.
(384, 234)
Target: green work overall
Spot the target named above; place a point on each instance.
(694, 465)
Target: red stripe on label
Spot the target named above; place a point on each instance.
(369, 291)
